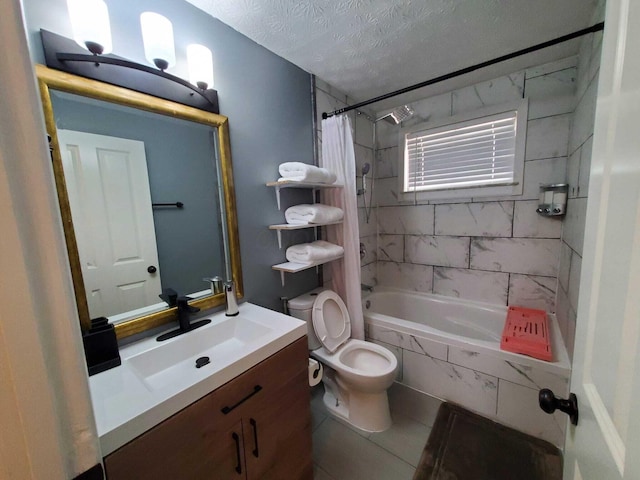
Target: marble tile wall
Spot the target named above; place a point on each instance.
(497, 249)
(578, 166)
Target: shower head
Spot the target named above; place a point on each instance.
(365, 169)
(397, 115)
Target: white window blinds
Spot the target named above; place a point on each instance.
(479, 152)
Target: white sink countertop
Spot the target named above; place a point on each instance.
(158, 379)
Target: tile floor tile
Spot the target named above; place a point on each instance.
(413, 404)
(406, 438)
(320, 474)
(343, 452)
(345, 455)
(317, 417)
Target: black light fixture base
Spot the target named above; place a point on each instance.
(161, 64)
(94, 47)
(66, 55)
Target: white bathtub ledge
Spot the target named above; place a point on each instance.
(407, 341)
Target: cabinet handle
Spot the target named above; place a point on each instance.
(227, 409)
(238, 459)
(254, 424)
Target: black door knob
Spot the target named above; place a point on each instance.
(151, 269)
(550, 403)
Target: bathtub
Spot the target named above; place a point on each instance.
(450, 348)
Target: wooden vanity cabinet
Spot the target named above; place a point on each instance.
(264, 434)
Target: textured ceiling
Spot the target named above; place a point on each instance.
(367, 48)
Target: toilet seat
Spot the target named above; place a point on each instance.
(386, 361)
(331, 321)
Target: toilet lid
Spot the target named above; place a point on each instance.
(331, 320)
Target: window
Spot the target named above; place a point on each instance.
(476, 154)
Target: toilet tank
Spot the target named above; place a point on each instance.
(300, 307)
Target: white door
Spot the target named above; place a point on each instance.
(110, 202)
(606, 375)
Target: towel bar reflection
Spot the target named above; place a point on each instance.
(176, 204)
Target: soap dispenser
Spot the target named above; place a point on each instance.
(232, 303)
(215, 284)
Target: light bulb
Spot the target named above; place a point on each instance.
(157, 36)
(200, 63)
(90, 23)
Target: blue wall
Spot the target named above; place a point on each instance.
(267, 100)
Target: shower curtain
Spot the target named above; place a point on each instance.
(338, 156)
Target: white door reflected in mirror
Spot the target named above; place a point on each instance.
(110, 201)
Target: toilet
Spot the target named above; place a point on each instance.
(357, 374)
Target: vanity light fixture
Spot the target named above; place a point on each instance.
(157, 36)
(90, 24)
(63, 54)
(200, 63)
(91, 30)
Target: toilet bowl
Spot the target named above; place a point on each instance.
(357, 373)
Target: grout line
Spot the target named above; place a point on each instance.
(317, 466)
(434, 219)
(570, 113)
(513, 217)
(326, 415)
(433, 285)
(413, 467)
(550, 73)
(527, 160)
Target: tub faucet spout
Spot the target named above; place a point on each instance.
(366, 288)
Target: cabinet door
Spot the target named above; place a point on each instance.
(277, 431)
(185, 447)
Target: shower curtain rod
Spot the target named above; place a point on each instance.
(594, 28)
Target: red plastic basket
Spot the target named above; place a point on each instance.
(526, 331)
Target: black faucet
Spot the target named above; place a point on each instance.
(184, 313)
(184, 323)
(170, 296)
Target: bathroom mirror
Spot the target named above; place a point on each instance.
(142, 183)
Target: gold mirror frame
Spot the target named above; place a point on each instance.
(65, 82)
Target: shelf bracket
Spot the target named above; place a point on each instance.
(282, 277)
(278, 196)
(279, 232)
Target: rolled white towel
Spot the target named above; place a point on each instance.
(303, 172)
(317, 213)
(313, 252)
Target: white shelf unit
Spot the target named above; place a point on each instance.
(295, 184)
(294, 267)
(290, 226)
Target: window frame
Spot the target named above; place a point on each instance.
(521, 108)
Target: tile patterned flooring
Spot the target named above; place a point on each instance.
(341, 452)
